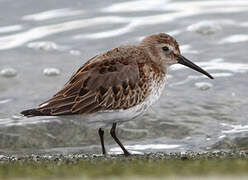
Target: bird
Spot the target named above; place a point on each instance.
(117, 85)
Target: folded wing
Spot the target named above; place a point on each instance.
(103, 83)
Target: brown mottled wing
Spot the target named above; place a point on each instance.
(103, 83)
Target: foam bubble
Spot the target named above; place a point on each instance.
(8, 72)
(75, 52)
(45, 45)
(205, 27)
(203, 85)
(51, 71)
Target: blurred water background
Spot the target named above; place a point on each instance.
(43, 42)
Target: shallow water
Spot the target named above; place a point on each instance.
(42, 43)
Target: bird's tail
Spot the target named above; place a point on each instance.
(33, 112)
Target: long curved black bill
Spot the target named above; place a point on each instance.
(182, 60)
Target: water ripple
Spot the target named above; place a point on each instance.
(20, 121)
(12, 41)
(234, 128)
(7, 29)
(145, 147)
(56, 13)
(220, 6)
(174, 10)
(140, 5)
(3, 101)
(234, 38)
(218, 64)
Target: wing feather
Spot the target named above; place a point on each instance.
(105, 82)
(86, 101)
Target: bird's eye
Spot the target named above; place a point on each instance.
(165, 48)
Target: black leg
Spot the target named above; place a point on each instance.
(112, 132)
(101, 133)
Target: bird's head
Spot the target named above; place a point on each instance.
(164, 50)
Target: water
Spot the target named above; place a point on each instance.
(42, 43)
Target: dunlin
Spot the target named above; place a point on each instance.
(117, 85)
